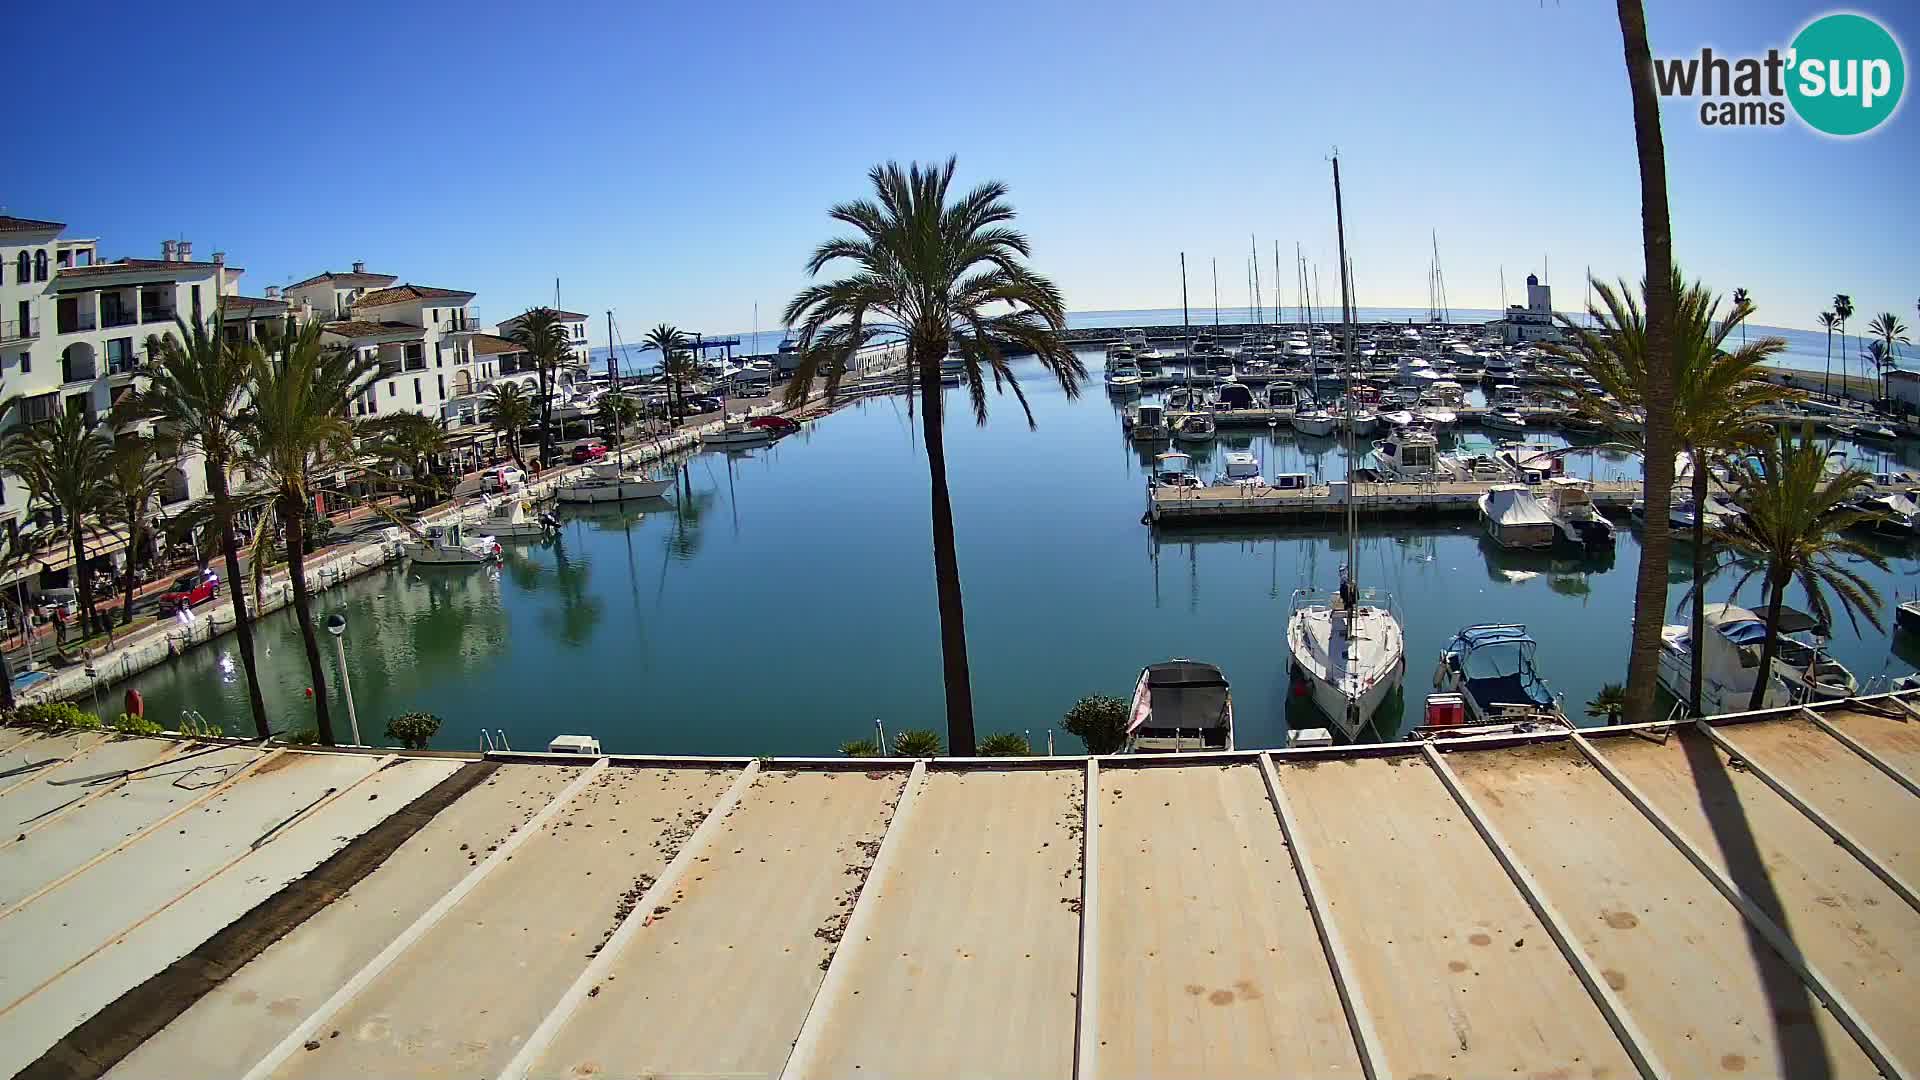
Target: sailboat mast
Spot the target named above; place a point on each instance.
(1186, 326)
(1346, 356)
(1259, 300)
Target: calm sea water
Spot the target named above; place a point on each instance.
(786, 600)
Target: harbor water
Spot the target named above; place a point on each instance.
(783, 601)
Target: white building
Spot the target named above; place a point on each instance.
(422, 337)
(576, 326)
(73, 329)
(1533, 322)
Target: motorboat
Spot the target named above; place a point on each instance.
(1514, 518)
(1507, 419)
(750, 431)
(1174, 469)
(1349, 651)
(1800, 657)
(1242, 467)
(1232, 395)
(1123, 375)
(1180, 706)
(1314, 421)
(1906, 616)
(1146, 423)
(451, 545)
(507, 517)
(1282, 395)
(1408, 454)
(1491, 669)
(1362, 421)
(612, 481)
(1580, 524)
(1534, 461)
(1398, 418)
(1194, 427)
(1475, 457)
(1180, 397)
(1730, 662)
(1893, 514)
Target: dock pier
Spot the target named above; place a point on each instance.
(1230, 503)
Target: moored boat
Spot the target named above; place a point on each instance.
(1488, 672)
(1194, 427)
(505, 516)
(451, 545)
(750, 431)
(1580, 524)
(1515, 519)
(612, 481)
(1180, 706)
(1730, 662)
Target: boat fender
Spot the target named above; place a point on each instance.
(1146, 517)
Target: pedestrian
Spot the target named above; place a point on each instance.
(59, 624)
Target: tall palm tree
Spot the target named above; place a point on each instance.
(296, 428)
(194, 394)
(1842, 311)
(136, 481)
(1794, 526)
(409, 441)
(1828, 320)
(672, 345)
(1890, 333)
(1715, 394)
(1656, 238)
(934, 277)
(510, 411)
(1742, 299)
(617, 410)
(543, 334)
(64, 464)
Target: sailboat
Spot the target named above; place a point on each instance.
(1348, 649)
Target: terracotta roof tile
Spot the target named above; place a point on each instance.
(493, 344)
(400, 294)
(21, 224)
(345, 278)
(563, 316)
(360, 328)
(121, 266)
(251, 304)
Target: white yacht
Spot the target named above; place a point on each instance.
(1146, 423)
(1730, 662)
(1515, 519)
(612, 481)
(1174, 469)
(1314, 421)
(1580, 523)
(1409, 454)
(1123, 375)
(1242, 467)
(451, 545)
(1194, 427)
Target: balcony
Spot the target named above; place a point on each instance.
(121, 367)
(158, 314)
(75, 322)
(464, 322)
(20, 330)
(118, 318)
(389, 368)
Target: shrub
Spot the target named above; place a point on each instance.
(1005, 744)
(55, 716)
(129, 724)
(859, 748)
(1100, 722)
(195, 726)
(303, 737)
(917, 742)
(413, 730)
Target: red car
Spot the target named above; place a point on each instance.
(190, 590)
(591, 450)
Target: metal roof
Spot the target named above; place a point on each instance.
(1656, 901)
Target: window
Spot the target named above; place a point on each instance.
(196, 303)
(26, 363)
(23, 268)
(392, 389)
(40, 265)
(441, 382)
(417, 399)
(437, 355)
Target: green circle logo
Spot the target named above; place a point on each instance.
(1847, 74)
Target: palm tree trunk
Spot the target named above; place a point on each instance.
(82, 579)
(293, 521)
(1768, 645)
(1699, 578)
(946, 568)
(1829, 376)
(133, 544)
(6, 683)
(1656, 228)
(237, 591)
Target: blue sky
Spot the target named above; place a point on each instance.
(673, 162)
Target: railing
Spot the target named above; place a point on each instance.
(389, 368)
(154, 315)
(76, 323)
(19, 330)
(118, 318)
(416, 363)
(123, 365)
(459, 324)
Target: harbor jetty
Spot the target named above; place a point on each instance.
(1601, 902)
(1235, 503)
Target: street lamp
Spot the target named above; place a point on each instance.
(337, 626)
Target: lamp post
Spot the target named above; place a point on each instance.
(337, 626)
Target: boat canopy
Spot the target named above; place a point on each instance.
(1182, 694)
(1510, 505)
(1234, 396)
(1744, 627)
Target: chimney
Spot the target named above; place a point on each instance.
(273, 292)
(185, 250)
(219, 258)
(166, 251)
(359, 268)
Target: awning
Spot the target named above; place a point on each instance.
(53, 558)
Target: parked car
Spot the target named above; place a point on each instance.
(190, 590)
(699, 405)
(590, 450)
(502, 478)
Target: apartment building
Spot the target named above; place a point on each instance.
(576, 325)
(74, 328)
(421, 336)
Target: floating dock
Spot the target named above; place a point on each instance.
(1227, 503)
(1680, 900)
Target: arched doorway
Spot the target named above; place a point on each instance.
(78, 363)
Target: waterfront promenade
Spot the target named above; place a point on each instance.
(1667, 900)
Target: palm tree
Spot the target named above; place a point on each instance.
(543, 335)
(1828, 320)
(617, 410)
(1742, 299)
(934, 277)
(510, 412)
(1891, 333)
(1716, 393)
(1842, 311)
(137, 478)
(296, 427)
(64, 464)
(672, 345)
(1656, 237)
(194, 393)
(409, 441)
(1609, 703)
(1796, 516)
